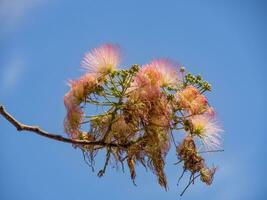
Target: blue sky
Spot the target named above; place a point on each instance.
(41, 45)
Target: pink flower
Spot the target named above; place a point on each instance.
(187, 95)
(211, 112)
(167, 69)
(198, 105)
(148, 75)
(191, 100)
(79, 90)
(147, 83)
(102, 60)
(205, 127)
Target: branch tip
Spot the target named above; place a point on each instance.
(36, 129)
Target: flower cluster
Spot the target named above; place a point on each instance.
(144, 108)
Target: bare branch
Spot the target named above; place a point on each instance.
(35, 129)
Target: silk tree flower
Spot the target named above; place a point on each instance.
(147, 101)
(79, 90)
(168, 71)
(198, 105)
(205, 127)
(147, 83)
(211, 112)
(187, 95)
(148, 75)
(191, 100)
(102, 60)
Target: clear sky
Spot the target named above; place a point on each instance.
(41, 45)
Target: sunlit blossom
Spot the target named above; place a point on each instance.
(168, 71)
(207, 129)
(191, 100)
(147, 82)
(187, 95)
(211, 112)
(198, 105)
(102, 60)
(148, 75)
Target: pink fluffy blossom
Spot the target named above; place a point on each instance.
(191, 100)
(79, 90)
(199, 104)
(147, 82)
(207, 129)
(168, 71)
(102, 60)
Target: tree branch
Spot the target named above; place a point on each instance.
(35, 129)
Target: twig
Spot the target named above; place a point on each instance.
(102, 171)
(211, 151)
(35, 129)
(88, 160)
(190, 182)
(181, 177)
